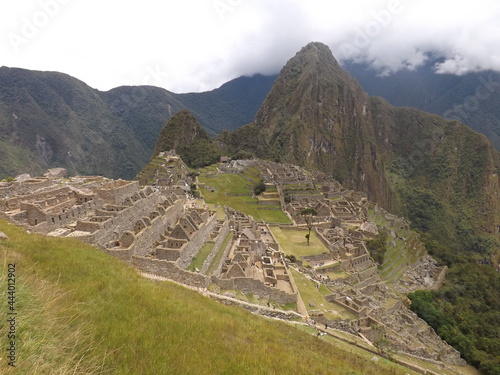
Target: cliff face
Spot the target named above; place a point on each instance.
(411, 162)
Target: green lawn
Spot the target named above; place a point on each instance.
(199, 259)
(311, 294)
(252, 174)
(293, 242)
(218, 257)
(235, 184)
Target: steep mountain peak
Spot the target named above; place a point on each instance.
(317, 116)
(315, 52)
(308, 85)
(182, 128)
(315, 60)
(313, 107)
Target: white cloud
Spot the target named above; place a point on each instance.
(200, 44)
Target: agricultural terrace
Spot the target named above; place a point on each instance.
(234, 190)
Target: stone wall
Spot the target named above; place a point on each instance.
(22, 188)
(256, 287)
(367, 282)
(126, 219)
(218, 243)
(169, 270)
(145, 239)
(196, 242)
(122, 254)
(56, 220)
(324, 240)
(168, 254)
(318, 258)
(52, 194)
(218, 272)
(117, 191)
(256, 309)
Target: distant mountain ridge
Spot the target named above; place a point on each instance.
(471, 98)
(50, 119)
(114, 132)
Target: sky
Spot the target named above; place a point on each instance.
(197, 45)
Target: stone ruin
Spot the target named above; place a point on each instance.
(160, 230)
(342, 223)
(255, 263)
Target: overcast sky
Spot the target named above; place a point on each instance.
(197, 45)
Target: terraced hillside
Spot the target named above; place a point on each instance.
(76, 306)
(235, 190)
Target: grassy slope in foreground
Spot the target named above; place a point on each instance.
(80, 311)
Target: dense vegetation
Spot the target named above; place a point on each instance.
(466, 313)
(186, 136)
(470, 98)
(49, 119)
(378, 247)
(54, 120)
(230, 106)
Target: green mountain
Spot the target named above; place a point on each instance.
(187, 137)
(49, 119)
(230, 106)
(317, 116)
(439, 173)
(143, 110)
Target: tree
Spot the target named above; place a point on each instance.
(259, 187)
(308, 215)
